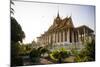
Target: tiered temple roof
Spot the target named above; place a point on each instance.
(60, 23)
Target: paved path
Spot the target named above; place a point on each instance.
(27, 61)
(45, 61)
(70, 59)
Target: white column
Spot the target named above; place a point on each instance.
(53, 37)
(87, 35)
(72, 37)
(64, 36)
(46, 39)
(78, 36)
(59, 36)
(50, 38)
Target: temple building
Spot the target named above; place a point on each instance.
(63, 32)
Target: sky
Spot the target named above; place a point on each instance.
(35, 18)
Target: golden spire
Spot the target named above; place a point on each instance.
(58, 14)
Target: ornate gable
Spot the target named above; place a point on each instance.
(61, 23)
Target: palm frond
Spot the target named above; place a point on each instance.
(12, 2)
(12, 12)
(12, 9)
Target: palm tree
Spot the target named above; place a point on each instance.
(11, 9)
(17, 34)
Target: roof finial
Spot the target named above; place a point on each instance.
(58, 14)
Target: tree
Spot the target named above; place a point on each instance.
(34, 55)
(59, 55)
(17, 33)
(90, 51)
(43, 51)
(87, 54)
(63, 53)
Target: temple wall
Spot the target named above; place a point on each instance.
(67, 35)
